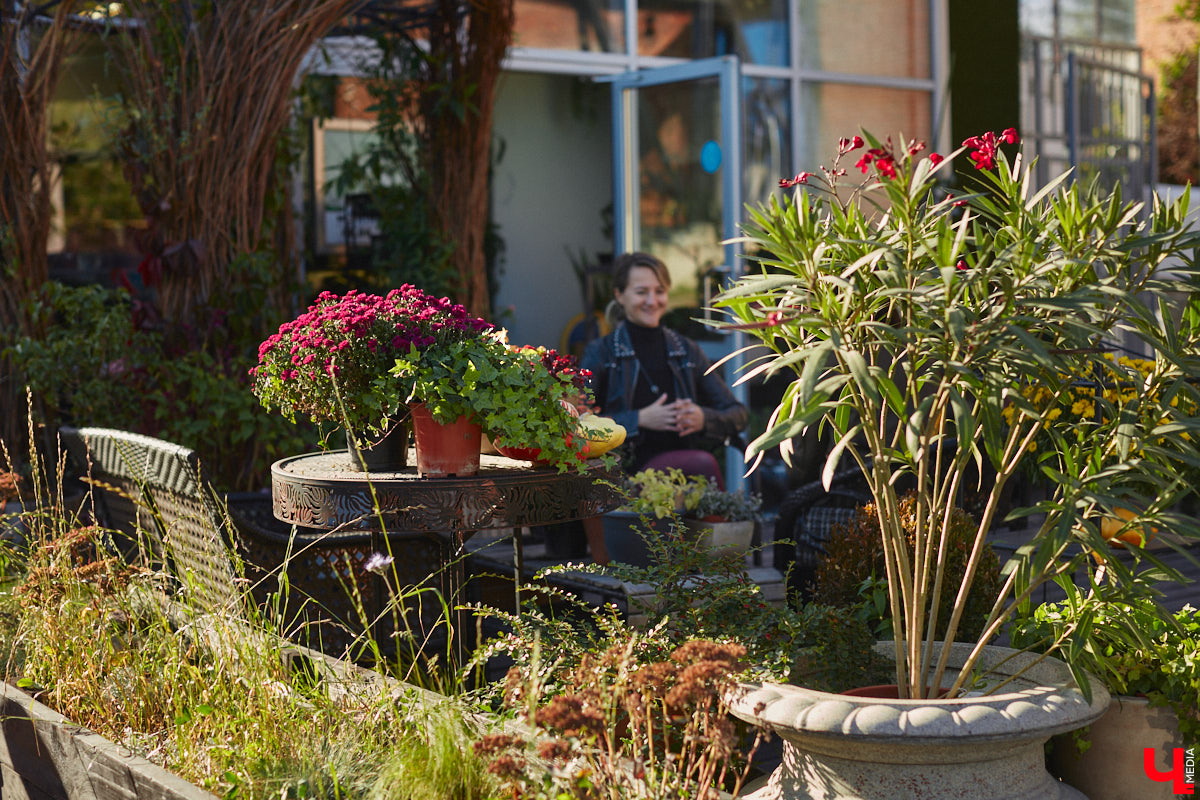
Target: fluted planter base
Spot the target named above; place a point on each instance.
(837, 747)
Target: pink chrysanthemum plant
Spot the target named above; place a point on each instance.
(913, 323)
(332, 362)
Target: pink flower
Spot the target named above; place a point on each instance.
(845, 145)
(785, 183)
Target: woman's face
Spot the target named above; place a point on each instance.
(644, 298)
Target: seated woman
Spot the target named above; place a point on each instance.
(655, 382)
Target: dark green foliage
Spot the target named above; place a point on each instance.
(854, 566)
(1130, 643)
(95, 366)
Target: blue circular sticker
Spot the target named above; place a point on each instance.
(710, 156)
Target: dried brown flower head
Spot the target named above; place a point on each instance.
(10, 485)
(495, 743)
(572, 716)
(726, 653)
(554, 749)
(507, 766)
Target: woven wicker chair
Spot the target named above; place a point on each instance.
(227, 551)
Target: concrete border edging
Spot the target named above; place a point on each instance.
(43, 756)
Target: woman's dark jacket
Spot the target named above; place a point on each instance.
(613, 356)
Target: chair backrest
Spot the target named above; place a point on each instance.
(806, 519)
(230, 549)
(146, 487)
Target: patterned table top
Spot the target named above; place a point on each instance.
(320, 490)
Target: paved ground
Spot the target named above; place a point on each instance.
(539, 552)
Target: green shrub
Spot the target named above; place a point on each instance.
(1130, 643)
(853, 570)
(93, 365)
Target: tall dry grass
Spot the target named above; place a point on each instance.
(115, 644)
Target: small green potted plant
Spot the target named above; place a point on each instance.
(1149, 659)
(507, 393)
(724, 521)
(656, 499)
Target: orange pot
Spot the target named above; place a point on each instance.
(445, 450)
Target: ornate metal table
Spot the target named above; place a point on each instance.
(320, 490)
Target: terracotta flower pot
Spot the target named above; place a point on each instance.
(445, 450)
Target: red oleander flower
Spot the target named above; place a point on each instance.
(885, 165)
(984, 150)
(936, 159)
(787, 183)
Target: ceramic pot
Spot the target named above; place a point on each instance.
(445, 450)
(389, 454)
(723, 539)
(837, 747)
(624, 540)
(1112, 767)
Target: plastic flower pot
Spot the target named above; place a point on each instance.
(623, 537)
(445, 450)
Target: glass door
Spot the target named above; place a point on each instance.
(677, 158)
(677, 155)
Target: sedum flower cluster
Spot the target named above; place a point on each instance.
(331, 362)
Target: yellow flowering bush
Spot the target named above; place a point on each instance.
(1088, 401)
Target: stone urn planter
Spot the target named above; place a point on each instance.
(1112, 767)
(837, 747)
(44, 756)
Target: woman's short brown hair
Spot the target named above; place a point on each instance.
(627, 261)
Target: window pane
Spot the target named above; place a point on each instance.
(586, 25)
(835, 110)
(1078, 19)
(1117, 22)
(767, 135)
(754, 30)
(1037, 17)
(680, 209)
(871, 37)
(338, 145)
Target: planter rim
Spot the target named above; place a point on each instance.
(94, 754)
(1042, 702)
